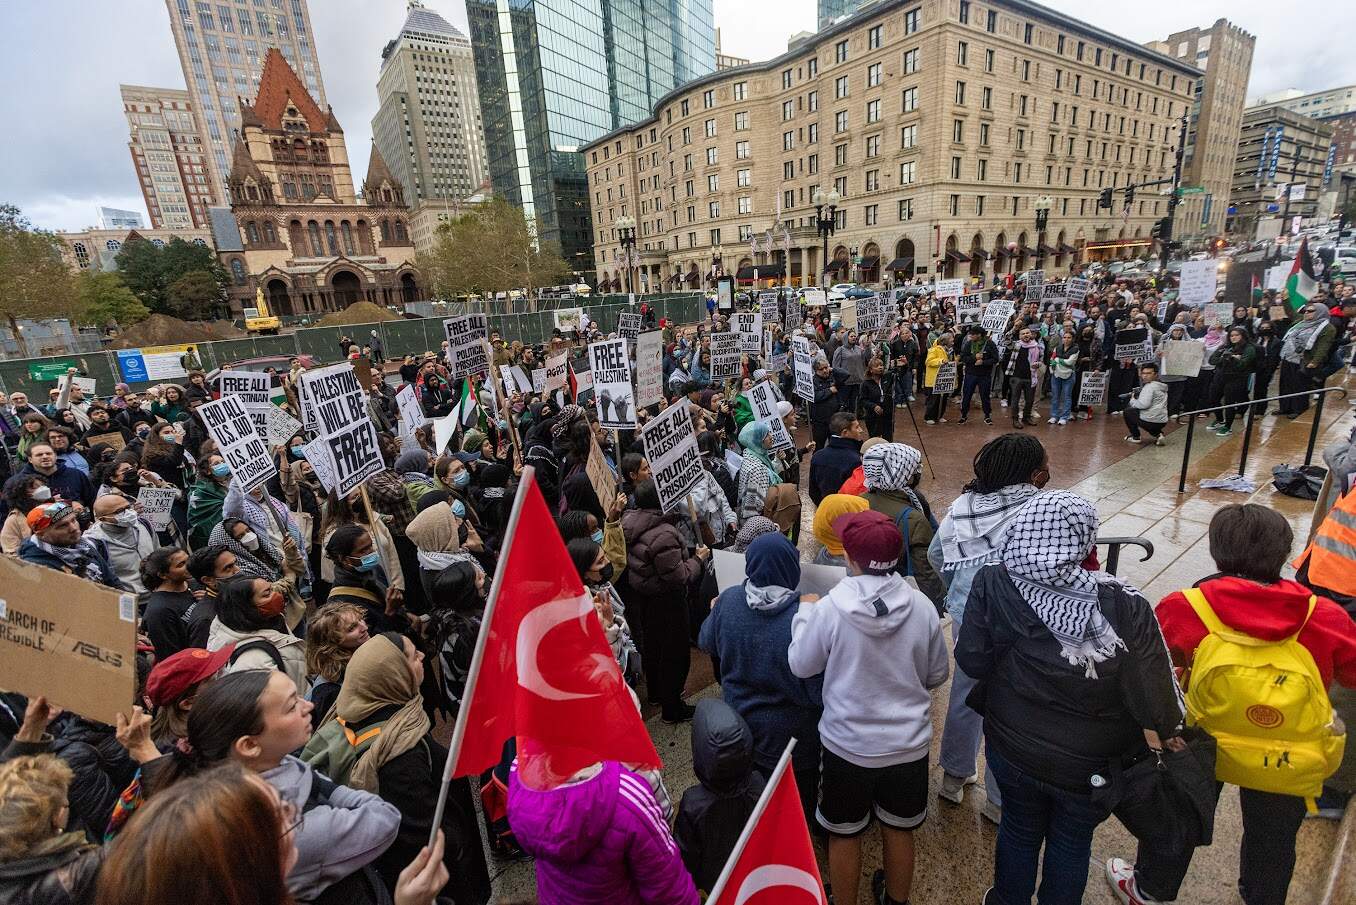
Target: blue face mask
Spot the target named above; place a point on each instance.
(459, 509)
(461, 479)
(369, 562)
(221, 470)
(503, 424)
(597, 537)
(298, 452)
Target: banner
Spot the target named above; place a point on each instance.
(411, 412)
(749, 327)
(238, 441)
(649, 368)
(628, 325)
(349, 433)
(251, 388)
(946, 379)
(803, 357)
(671, 446)
(610, 366)
(467, 348)
(949, 289)
(1035, 285)
(726, 349)
(1093, 391)
(1183, 357)
(1197, 282)
(68, 639)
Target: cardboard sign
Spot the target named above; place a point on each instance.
(767, 306)
(567, 319)
(317, 452)
(649, 368)
(467, 347)
(946, 379)
(803, 357)
(996, 316)
(1197, 282)
(726, 351)
(1277, 313)
(156, 503)
(1035, 285)
(280, 427)
(612, 395)
(113, 439)
(68, 639)
(628, 325)
(411, 412)
(347, 429)
(238, 441)
(1130, 343)
(748, 325)
(949, 289)
(671, 446)
(1183, 357)
(1093, 390)
(600, 475)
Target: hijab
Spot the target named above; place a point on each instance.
(265, 563)
(378, 676)
(754, 527)
(1047, 542)
(435, 532)
(772, 570)
(890, 466)
(751, 438)
(828, 511)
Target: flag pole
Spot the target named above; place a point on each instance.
(473, 673)
(752, 822)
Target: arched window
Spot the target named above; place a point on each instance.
(317, 249)
(199, 242)
(331, 237)
(385, 231)
(347, 232)
(251, 191)
(252, 233)
(296, 237)
(238, 271)
(113, 245)
(81, 254)
(400, 231)
(270, 234)
(386, 195)
(158, 243)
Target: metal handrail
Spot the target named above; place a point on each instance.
(1320, 392)
(1114, 544)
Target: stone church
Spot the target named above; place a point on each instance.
(295, 226)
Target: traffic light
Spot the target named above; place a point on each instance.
(1129, 195)
(1161, 230)
(1104, 200)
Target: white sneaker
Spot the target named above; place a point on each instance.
(953, 787)
(1120, 876)
(992, 813)
(941, 420)
(1003, 403)
(929, 421)
(1053, 420)
(1132, 440)
(1062, 421)
(1159, 441)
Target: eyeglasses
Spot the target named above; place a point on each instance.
(292, 816)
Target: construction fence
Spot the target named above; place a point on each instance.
(409, 336)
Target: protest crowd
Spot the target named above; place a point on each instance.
(332, 567)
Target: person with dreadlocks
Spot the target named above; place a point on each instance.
(1009, 470)
(1072, 673)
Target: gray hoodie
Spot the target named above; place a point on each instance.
(336, 838)
(879, 644)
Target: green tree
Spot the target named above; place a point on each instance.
(141, 266)
(195, 296)
(489, 249)
(34, 280)
(151, 272)
(105, 299)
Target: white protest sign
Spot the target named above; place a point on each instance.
(872, 313)
(556, 372)
(1035, 285)
(628, 325)
(317, 453)
(238, 441)
(155, 504)
(467, 349)
(86, 385)
(812, 296)
(803, 354)
(348, 430)
(649, 368)
(1221, 313)
(411, 412)
(781, 437)
(610, 367)
(1183, 357)
(522, 378)
(1276, 277)
(767, 306)
(749, 326)
(762, 401)
(308, 416)
(996, 315)
(583, 382)
(726, 349)
(251, 388)
(1076, 290)
(539, 380)
(443, 431)
(814, 579)
(952, 288)
(733, 463)
(1093, 390)
(671, 446)
(280, 427)
(946, 379)
(567, 319)
(969, 307)
(1197, 282)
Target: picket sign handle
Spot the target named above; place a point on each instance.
(757, 814)
(473, 673)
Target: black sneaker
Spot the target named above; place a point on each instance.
(878, 893)
(961, 420)
(682, 714)
(988, 420)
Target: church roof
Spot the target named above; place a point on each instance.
(280, 87)
(377, 171)
(242, 164)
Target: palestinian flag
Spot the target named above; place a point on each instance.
(1255, 285)
(469, 412)
(1301, 285)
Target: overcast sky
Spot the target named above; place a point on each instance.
(61, 63)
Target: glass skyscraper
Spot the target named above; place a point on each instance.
(830, 10)
(557, 74)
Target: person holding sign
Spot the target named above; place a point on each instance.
(1234, 362)
(938, 355)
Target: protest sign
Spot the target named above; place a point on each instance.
(776, 363)
(539, 380)
(238, 441)
(814, 578)
(466, 344)
(969, 307)
(522, 378)
(600, 475)
(411, 412)
(725, 293)
(68, 639)
(318, 454)
(567, 319)
(733, 463)
(348, 430)
(1183, 357)
(762, 401)
(1130, 343)
(781, 437)
(1035, 285)
(308, 415)
(996, 315)
(949, 289)
(156, 503)
(611, 369)
(1197, 282)
(873, 313)
(649, 368)
(1076, 290)
(749, 326)
(803, 352)
(509, 381)
(86, 384)
(812, 296)
(946, 379)
(251, 388)
(671, 446)
(114, 440)
(557, 367)
(1276, 277)
(628, 325)
(767, 306)
(1093, 390)
(1221, 313)
(1277, 313)
(847, 313)
(725, 356)
(280, 427)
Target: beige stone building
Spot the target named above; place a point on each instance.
(1223, 52)
(171, 160)
(939, 123)
(97, 249)
(296, 227)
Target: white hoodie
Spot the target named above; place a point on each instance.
(879, 644)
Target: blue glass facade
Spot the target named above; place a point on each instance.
(828, 10)
(556, 74)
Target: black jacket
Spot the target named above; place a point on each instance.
(826, 402)
(967, 356)
(713, 813)
(832, 465)
(65, 877)
(1044, 714)
(102, 770)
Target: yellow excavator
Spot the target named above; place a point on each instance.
(258, 320)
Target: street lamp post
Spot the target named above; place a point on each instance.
(626, 234)
(1042, 207)
(826, 215)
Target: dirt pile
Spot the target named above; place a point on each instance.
(162, 330)
(357, 313)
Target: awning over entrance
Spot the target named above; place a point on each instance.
(900, 264)
(959, 257)
(868, 263)
(979, 254)
(765, 271)
(1066, 249)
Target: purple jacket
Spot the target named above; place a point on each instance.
(601, 840)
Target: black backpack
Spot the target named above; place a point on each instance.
(258, 644)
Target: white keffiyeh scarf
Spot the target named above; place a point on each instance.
(975, 526)
(891, 466)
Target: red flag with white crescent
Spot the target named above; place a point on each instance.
(773, 861)
(543, 671)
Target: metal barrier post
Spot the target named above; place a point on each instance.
(1186, 454)
(1313, 430)
(1247, 440)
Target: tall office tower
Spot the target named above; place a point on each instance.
(170, 157)
(428, 125)
(222, 46)
(1223, 52)
(554, 75)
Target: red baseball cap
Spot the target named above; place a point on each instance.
(870, 540)
(179, 672)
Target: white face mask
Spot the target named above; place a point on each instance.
(250, 541)
(42, 494)
(126, 518)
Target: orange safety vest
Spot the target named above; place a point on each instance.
(1332, 553)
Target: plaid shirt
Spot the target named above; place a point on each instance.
(388, 496)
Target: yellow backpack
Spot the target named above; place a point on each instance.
(1266, 705)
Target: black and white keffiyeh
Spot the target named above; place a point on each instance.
(1047, 541)
(975, 527)
(891, 466)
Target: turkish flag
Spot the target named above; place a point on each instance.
(546, 673)
(777, 854)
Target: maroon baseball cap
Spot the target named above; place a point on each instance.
(179, 672)
(870, 540)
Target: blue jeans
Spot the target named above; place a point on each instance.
(903, 384)
(962, 733)
(1036, 814)
(1061, 388)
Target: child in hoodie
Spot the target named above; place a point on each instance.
(879, 644)
(712, 814)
